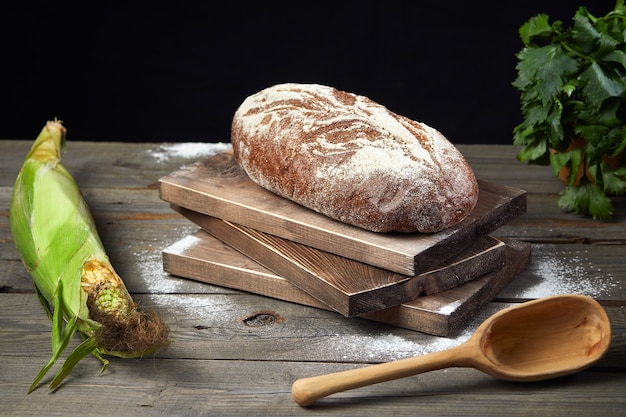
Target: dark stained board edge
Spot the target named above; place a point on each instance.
(447, 313)
(201, 257)
(350, 287)
(218, 187)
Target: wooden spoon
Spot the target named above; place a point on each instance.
(536, 340)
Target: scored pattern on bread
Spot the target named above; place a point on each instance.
(352, 159)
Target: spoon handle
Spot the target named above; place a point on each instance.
(307, 390)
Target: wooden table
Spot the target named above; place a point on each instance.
(224, 362)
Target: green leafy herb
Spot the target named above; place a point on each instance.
(572, 85)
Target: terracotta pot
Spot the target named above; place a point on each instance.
(583, 168)
(564, 172)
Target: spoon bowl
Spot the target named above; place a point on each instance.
(536, 340)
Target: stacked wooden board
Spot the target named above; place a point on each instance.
(254, 240)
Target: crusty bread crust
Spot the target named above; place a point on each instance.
(351, 159)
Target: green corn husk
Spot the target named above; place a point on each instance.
(59, 245)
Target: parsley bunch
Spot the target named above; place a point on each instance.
(572, 84)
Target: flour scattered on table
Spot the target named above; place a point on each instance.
(150, 269)
(567, 272)
(149, 263)
(187, 150)
(386, 347)
(182, 245)
(206, 310)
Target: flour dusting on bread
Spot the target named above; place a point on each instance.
(352, 159)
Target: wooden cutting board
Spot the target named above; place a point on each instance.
(204, 258)
(347, 286)
(218, 187)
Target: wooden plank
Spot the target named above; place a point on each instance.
(545, 222)
(597, 271)
(499, 164)
(447, 313)
(204, 258)
(218, 365)
(111, 164)
(192, 387)
(217, 326)
(218, 187)
(350, 287)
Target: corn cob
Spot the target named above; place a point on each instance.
(57, 240)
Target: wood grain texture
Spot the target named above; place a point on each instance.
(534, 341)
(350, 287)
(218, 187)
(220, 366)
(202, 257)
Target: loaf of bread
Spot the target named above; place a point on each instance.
(352, 159)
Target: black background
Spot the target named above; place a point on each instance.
(177, 72)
